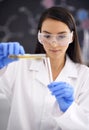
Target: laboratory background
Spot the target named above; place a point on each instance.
(18, 22)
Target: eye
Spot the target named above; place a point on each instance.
(47, 36)
(61, 37)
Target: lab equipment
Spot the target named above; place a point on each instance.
(28, 56)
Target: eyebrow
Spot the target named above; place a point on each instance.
(63, 32)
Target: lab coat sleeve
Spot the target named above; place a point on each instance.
(74, 118)
(77, 115)
(7, 77)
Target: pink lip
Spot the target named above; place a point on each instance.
(55, 51)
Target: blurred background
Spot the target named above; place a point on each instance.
(18, 22)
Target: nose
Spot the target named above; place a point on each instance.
(54, 43)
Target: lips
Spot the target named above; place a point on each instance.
(55, 51)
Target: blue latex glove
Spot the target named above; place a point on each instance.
(9, 48)
(63, 93)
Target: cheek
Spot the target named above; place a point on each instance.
(64, 48)
(46, 46)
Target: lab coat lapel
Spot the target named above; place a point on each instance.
(41, 74)
(70, 68)
(69, 71)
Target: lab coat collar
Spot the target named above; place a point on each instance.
(41, 72)
(69, 71)
(70, 68)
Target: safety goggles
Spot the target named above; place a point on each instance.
(61, 39)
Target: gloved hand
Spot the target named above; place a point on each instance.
(9, 48)
(63, 93)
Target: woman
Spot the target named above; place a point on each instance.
(37, 104)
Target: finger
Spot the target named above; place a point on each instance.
(54, 84)
(0, 46)
(5, 49)
(10, 48)
(16, 48)
(1, 49)
(65, 98)
(57, 87)
(21, 50)
(65, 92)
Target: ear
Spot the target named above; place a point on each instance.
(72, 37)
(39, 38)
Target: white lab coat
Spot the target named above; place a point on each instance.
(33, 107)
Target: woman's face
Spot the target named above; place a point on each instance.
(56, 37)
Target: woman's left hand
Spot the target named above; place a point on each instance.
(64, 94)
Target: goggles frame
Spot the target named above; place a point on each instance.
(61, 39)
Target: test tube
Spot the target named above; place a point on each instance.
(28, 56)
(48, 66)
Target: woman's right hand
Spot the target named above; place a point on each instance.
(9, 48)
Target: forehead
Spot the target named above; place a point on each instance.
(54, 26)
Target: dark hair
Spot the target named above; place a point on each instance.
(63, 15)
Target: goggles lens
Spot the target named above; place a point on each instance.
(61, 39)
